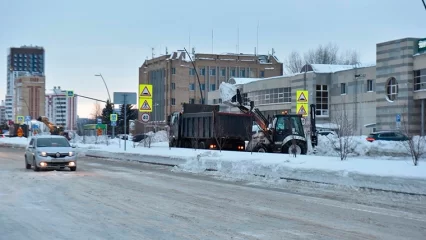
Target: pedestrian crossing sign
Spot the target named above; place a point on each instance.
(145, 105)
(302, 109)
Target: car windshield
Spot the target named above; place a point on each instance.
(52, 142)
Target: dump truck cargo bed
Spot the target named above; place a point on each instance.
(205, 125)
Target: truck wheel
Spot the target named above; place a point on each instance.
(201, 145)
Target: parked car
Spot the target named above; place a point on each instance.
(387, 136)
(139, 137)
(50, 151)
(326, 132)
(4, 135)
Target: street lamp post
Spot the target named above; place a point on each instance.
(109, 98)
(196, 73)
(100, 75)
(155, 111)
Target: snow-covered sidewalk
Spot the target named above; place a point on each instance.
(397, 175)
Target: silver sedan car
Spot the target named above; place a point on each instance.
(50, 151)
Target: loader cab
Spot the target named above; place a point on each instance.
(284, 125)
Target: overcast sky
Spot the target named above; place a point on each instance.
(82, 38)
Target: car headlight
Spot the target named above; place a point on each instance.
(71, 154)
(43, 154)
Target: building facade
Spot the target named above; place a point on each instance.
(2, 112)
(383, 96)
(175, 77)
(28, 94)
(60, 109)
(22, 61)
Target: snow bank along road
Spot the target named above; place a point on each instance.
(126, 200)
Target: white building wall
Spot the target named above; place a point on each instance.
(61, 110)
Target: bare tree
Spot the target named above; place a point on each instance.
(415, 145)
(323, 54)
(294, 62)
(97, 110)
(343, 140)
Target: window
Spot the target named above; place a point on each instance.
(191, 87)
(419, 79)
(223, 72)
(173, 86)
(369, 85)
(173, 70)
(173, 101)
(202, 71)
(220, 100)
(242, 73)
(214, 101)
(232, 72)
(391, 89)
(212, 71)
(262, 74)
(268, 96)
(342, 88)
(212, 87)
(192, 100)
(203, 86)
(321, 97)
(191, 72)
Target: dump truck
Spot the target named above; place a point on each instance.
(205, 127)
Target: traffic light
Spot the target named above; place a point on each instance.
(99, 132)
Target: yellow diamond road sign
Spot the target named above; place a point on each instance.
(302, 96)
(145, 105)
(145, 91)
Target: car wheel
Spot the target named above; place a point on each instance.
(36, 168)
(27, 166)
(73, 169)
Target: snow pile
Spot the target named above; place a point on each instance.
(360, 147)
(227, 91)
(379, 174)
(160, 136)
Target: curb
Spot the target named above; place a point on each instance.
(140, 161)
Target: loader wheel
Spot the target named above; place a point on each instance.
(300, 149)
(260, 149)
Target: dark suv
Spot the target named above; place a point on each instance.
(387, 136)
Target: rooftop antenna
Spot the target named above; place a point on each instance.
(212, 41)
(238, 39)
(152, 52)
(167, 52)
(189, 47)
(257, 38)
(273, 52)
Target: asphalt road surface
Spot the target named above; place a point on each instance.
(124, 200)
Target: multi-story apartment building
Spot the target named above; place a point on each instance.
(175, 77)
(29, 92)
(22, 61)
(60, 109)
(380, 96)
(2, 112)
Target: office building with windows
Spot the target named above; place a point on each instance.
(60, 109)
(28, 90)
(22, 61)
(389, 94)
(174, 76)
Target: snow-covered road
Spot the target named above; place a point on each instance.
(126, 200)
